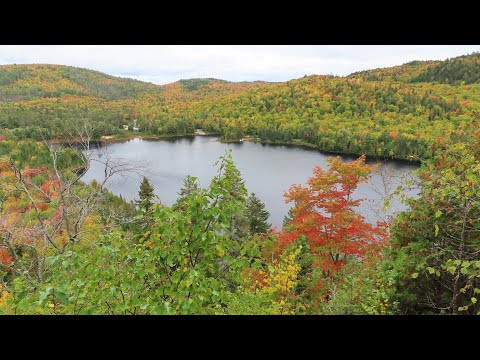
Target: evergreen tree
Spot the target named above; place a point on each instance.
(190, 185)
(289, 217)
(146, 195)
(257, 215)
(239, 221)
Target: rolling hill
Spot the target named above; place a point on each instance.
(395, 112)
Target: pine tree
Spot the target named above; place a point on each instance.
(289, 217)
(190, 185)
(146, 195)
(257, 215)
(239, 221)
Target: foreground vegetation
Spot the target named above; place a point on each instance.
(72, 248)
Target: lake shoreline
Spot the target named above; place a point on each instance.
(120, 139)
(268, 170)
(308, 146)
(149, 137)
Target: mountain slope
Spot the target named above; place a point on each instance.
(401, 73)
(27, 82)
(30, 82)
(463, 69)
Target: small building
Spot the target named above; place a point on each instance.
(135, 127)
(125, 127)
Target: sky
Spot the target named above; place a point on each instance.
(163, 64)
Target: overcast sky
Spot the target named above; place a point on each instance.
(163, 64)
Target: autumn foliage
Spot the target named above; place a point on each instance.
(5, 257)
(325, 213)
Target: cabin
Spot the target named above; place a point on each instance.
(200, 132)
(125, 127)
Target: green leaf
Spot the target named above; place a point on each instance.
(414, 275)
(185, 306)
(438, 214)
(474, 300)
(176, 277)
(44, 294)
(437, 229)
(451, 269)
(430, 270)
(62, 297)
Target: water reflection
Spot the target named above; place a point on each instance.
(268, 170)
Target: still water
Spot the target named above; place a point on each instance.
(268, 171)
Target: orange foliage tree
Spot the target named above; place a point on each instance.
(325, 213)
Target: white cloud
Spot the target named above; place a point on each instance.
(167, 63)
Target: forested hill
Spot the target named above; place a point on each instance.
(202, 88)
(27, 82)
(395, 112)
(400, 73)
(36, 81)
(456, 71)
(460, 70)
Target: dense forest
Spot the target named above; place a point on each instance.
(396, 112)
(67, 247)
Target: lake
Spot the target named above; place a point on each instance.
(268, 171)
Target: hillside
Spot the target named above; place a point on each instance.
(460, 70)
(401, 73)
(27, 82)
(341, 115)
(44, 99)
(455, 71)
(389, 112)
